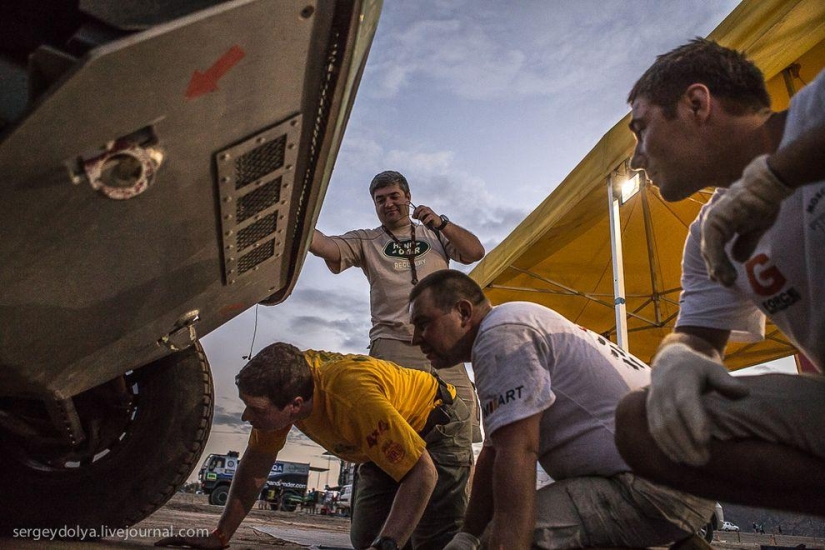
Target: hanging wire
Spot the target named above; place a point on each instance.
(254, 332)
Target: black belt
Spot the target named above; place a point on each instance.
(440, 415)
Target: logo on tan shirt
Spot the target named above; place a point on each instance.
(392, 250)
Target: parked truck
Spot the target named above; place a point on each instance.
(284, 489)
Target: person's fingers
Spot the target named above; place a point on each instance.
(727, 385)
(659, 421)
(692, 435)
(716, 232)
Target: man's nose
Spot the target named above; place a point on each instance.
(416, 340)
(245, 416)
(637, 161)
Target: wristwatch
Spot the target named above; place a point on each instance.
(384, 543)
(444, 222)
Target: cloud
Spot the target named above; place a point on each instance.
(229, 418)
(477, 54)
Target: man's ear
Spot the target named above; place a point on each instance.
(465, 310)
(698, 99)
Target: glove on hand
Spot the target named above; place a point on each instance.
(749, 207)
(463, 541)
(675, 415)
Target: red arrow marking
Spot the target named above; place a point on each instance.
(204, 82)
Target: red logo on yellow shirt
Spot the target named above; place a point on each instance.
(393, 451)
(372, 439)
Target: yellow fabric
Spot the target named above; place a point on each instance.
(363, 410)
(560, 255)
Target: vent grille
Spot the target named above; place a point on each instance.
(255, 232)
(255, 186)
(258, 200)
(259, 162)
(256, 257)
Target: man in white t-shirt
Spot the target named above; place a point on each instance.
(702, 117)
(548, 391)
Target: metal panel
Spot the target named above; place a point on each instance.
(254, 181)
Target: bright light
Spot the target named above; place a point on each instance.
(630, 187)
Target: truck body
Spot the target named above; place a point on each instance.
(284, 489)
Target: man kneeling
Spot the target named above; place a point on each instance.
(406, 429)
(548, 391)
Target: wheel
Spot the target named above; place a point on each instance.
(219, 495)
(146, 431)
(706, 532)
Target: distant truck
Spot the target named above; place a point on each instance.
(284, 489)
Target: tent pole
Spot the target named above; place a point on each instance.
(618, 266)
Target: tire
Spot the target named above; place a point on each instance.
(219, 495)
(160, 436)
(706, 532)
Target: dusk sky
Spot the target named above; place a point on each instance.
(485, 107)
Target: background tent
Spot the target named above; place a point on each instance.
(560, 255)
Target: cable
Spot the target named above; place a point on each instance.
(254, 332)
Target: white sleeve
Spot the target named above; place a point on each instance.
(512, 378)
(706, 303)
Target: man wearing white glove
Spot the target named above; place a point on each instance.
(701, 115)
(548, 390)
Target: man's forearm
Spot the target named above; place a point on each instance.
(514, 484)
(247, 483)
(324, 247)
(410, 501)
(480, 509)
(514, 487)
(469, 247)
(801, 162)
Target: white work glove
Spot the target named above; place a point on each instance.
(749, 207)
(675, 415)
(463, 541)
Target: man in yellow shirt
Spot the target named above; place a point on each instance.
(400, 424)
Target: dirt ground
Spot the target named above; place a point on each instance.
(188, 511)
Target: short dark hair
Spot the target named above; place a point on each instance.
(279, 372)
(728, 74)
(387, 178)
(448, 287)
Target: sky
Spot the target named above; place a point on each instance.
(485, 107)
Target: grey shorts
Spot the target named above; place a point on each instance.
(619, 511)
(785, 409)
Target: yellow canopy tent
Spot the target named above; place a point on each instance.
(560, 255)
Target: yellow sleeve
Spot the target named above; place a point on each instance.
(386, 437)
